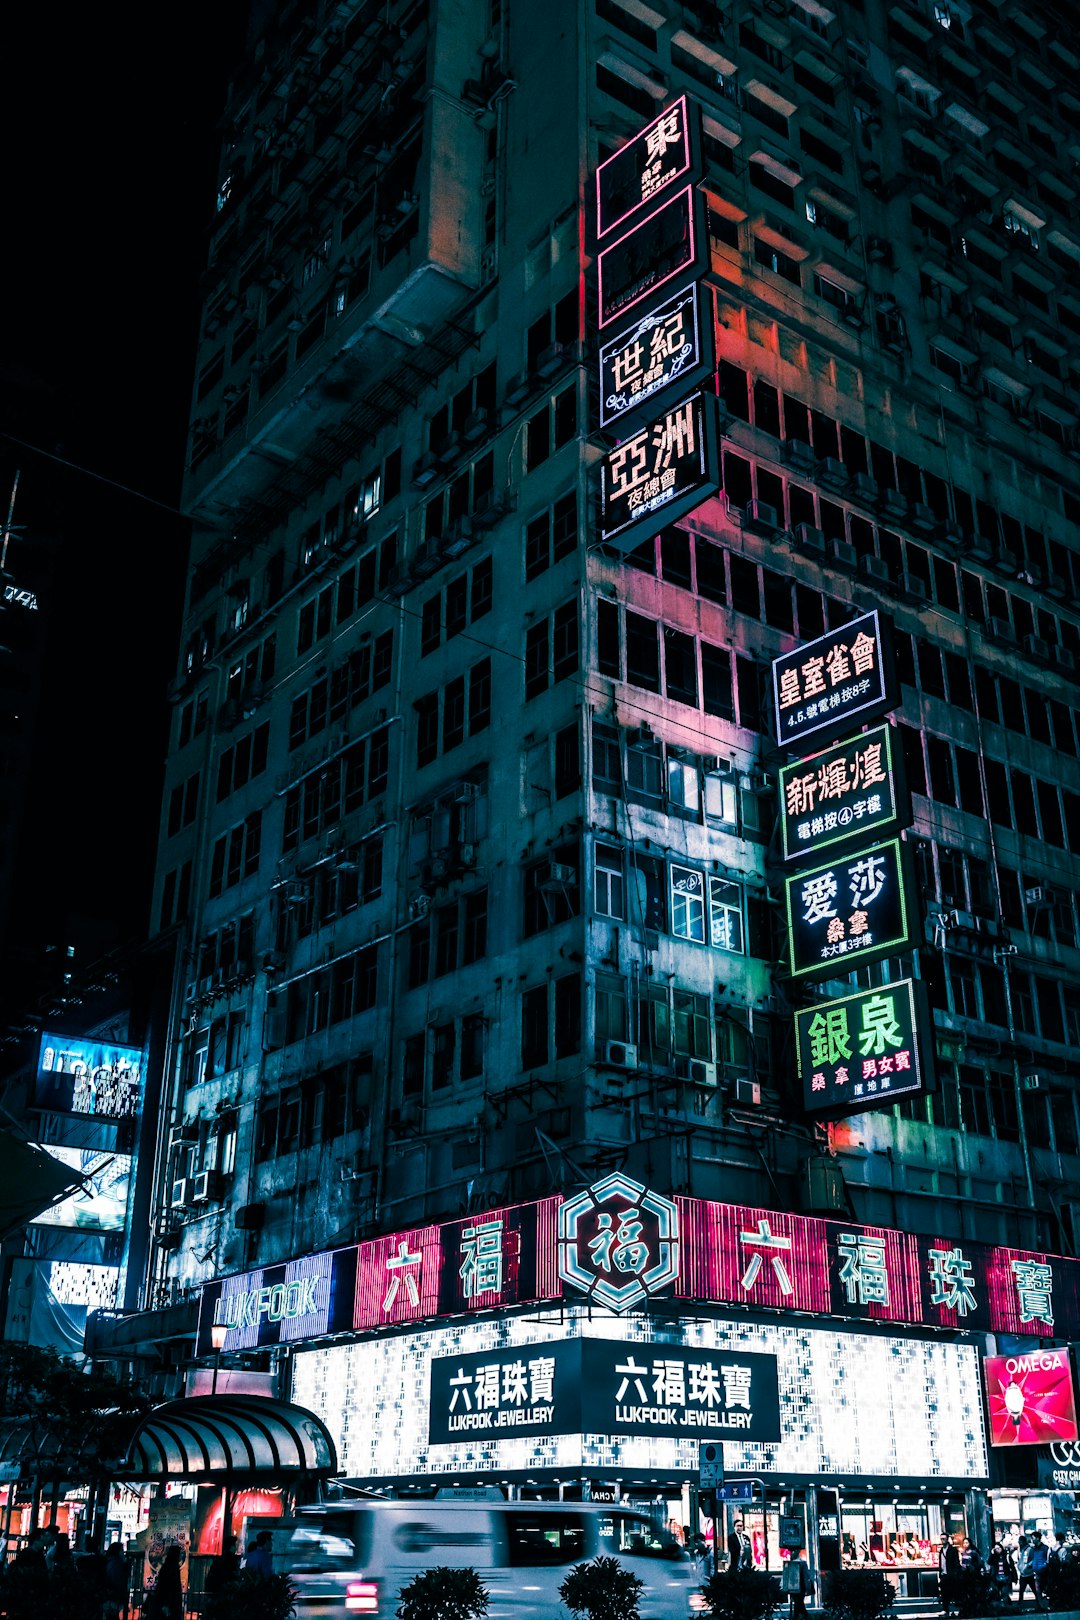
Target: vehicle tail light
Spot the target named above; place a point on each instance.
(362, 1597)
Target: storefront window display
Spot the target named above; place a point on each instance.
(898, 1537)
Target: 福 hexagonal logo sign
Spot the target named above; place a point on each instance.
(619, 1242)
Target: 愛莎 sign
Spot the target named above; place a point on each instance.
(855, 788)
(862, 1051)
(856, 910)
(669, 343)
(658, 157)
(668, 242)
(660, 473)
(824, 686)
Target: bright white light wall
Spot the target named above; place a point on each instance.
(852, 1404)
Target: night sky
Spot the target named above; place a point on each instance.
(110, 138)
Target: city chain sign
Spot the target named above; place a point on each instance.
(863, 1050)
(825, 686)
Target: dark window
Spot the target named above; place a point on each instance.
(642, 652)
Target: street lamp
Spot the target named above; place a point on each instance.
(219, 1332)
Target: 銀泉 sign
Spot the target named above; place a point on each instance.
(863, 1050)
(858, 909)
(854, 788)
(661, 155)
(670, 343)
(659, 473)
(825, 686)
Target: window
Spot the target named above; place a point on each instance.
(556, 639)
(609, 884)
(551, 536)
(687, 904)
(774, 259)
(553, 426)
(726, 916)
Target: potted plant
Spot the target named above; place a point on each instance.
(442, 1593)
(857, 1594)
(253, 1596)
(602, 1590)
(742, 1594)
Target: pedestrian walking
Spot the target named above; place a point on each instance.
(165, 1600)
(948, 1572)
(115, 1573)
(1002, 1568)
(219, 1577)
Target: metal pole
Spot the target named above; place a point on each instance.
(1002, 956)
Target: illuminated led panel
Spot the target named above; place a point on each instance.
(824, 686)
(281, 1304)
(854, 789)
(1030, 1398)
(76, 1076)
(659, 473)
(671, 241)
(859, 909)
(863, 1050)
(650, 164)
(851, 1405)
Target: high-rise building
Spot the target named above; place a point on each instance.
(470, 833)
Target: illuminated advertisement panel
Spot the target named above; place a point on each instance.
(661, 155)
(671, 241)
(571, 1384)
(101, 1204)
(853, 789)
(281, 1304)
(76, 1076)
(668, 344)
(660, 473)
(1030, 1398)
(824, 686)
(855, 910)
(863, 1050)
(850, 1405)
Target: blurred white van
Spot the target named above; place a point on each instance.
(354, 1558)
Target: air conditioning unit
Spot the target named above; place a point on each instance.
(807, 538)
(518, 388)
(207, 1187)
(832, 473)
(1033, 1082)
(458, 537)
(864, 489)
(879, 250)
(1037, 648)
(922, 518)
(178, 1197)
(701, 1073)
(467, 792)
(1064, 659)
(273, 962)
(915, 589)
(797, 453)
(845, 555)
(425, 562)
(551, 360)
(559, 875)
(449, 450)
(467, 854)
(620, 1055)
(748, 1093)
(1037, 897)
(760, 518)
(950, 536)
(476, 426)
(893, 503)
(294, 892)
(1000, 630)
(426, 470)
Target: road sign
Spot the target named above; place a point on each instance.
(739, 1490)
(710, 1465)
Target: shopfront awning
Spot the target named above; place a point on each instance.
(228, 1439)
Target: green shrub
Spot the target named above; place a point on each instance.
(744, 1594)
(253, 1596)
(857, 1594)
(603, 1590)
(442, 1593)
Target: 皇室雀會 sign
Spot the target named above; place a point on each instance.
(824, 686)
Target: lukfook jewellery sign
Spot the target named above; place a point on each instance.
(605, 1387)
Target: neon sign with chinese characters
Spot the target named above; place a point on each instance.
(862, 1051)
(619, 1242)
(669, 344)
(853, 788)
(666, 243)
(825, 685)
(661, 472)
(855, 910)
(657, 158)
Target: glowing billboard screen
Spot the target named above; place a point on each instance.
(863, 1050)
(668, 242)
(84, 1076)
(853, 789)
(101, 1204)
(1030, 1398)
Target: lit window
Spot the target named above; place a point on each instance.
(725, 916)
(609, 887)
(687, 904)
